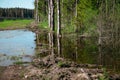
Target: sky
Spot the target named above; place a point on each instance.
(17, 3)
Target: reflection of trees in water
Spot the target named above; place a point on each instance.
(109, 34)
(87, 51)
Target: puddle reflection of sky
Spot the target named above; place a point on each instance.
(17, 42)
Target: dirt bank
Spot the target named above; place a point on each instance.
(54, 68)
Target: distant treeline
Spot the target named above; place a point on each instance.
(14, 13)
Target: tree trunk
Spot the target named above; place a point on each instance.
(51, 25)
(22, 15)
(76, 30)
(58, 27)
(49, 13)
(36, 12)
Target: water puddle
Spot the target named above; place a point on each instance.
(16, 45)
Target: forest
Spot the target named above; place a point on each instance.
(86, 18)
(95, 23)
(15, 13)
(61, 40)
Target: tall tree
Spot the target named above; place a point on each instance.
(59, 27)
(76, 4)
(51, 21)
(36, 11)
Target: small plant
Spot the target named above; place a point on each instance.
(63, 64)
(60, 64)
(22, 73)
(18, 62)
(14, 58)
(105, 75)
(17, 59)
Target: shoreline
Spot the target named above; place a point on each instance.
(53, 68)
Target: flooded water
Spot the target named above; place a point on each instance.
(16, 43)
(86, 51)
(81, 50)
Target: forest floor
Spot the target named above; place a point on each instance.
(52, 67)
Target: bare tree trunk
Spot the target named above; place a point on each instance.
(62, 23)
(99, 40)
(36, 12)
(49, 13)
(16, 13)
(76, 32)
(58, 27)
(51, 25)
(100, 24)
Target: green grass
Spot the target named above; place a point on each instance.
(69, 28)
(43, 24)
(15, 24)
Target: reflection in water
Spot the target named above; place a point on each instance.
(15, 43)
(87, 51)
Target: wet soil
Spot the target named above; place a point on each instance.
(54, 68)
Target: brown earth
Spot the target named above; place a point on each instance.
(54, 68)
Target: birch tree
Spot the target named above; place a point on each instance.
(58, 27)
(51, 24)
